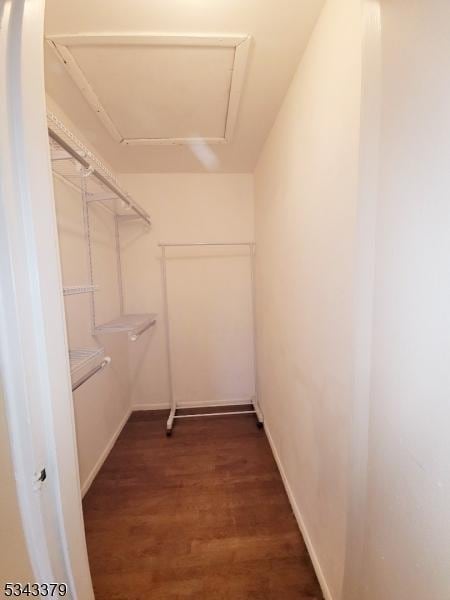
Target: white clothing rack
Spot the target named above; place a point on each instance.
(173, 405)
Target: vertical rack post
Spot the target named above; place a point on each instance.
(173, 406)
(119, 264)
(256, 406)
(84, 173)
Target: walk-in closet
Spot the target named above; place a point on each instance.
(224, 332)
(153, 138)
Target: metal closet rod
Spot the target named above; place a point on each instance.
(136, 335)
(97, 174)
(208, 244)
(91, 373)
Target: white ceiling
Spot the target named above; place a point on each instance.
(178, 92)
(161, 92)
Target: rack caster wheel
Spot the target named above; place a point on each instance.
(168, 432)
(259, 424)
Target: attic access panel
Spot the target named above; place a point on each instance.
(159, 89)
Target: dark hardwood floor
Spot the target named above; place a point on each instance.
(200, 515)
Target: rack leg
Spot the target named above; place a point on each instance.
(170, 421)
(173, 406)
(258, 413)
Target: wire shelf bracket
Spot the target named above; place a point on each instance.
(71, 290)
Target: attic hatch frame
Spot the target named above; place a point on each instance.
(61, 45)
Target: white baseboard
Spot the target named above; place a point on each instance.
(166, 406)
(158, 406)
(104, 455)
(301, 523)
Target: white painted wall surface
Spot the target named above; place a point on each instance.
(14, 561)
(102, 404)
(408, 534)
(306, 204)
(212, 344)
(210, 306)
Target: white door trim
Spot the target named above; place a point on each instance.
(33, 348)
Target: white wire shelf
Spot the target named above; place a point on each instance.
(134, 325)
(85, 363)
(71, 290)
(84, 359)
(73, 162)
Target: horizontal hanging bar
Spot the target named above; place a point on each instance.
(65, 146)
(91, 373)
(208, 244)
(217, 414)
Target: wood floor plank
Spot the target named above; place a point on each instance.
(200, 515)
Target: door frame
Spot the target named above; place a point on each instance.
(34, 367)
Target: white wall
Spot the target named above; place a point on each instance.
(306, 205)
(211, 320)
(209, 291)
(102, 404)
(408, 525)
(14, 561)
